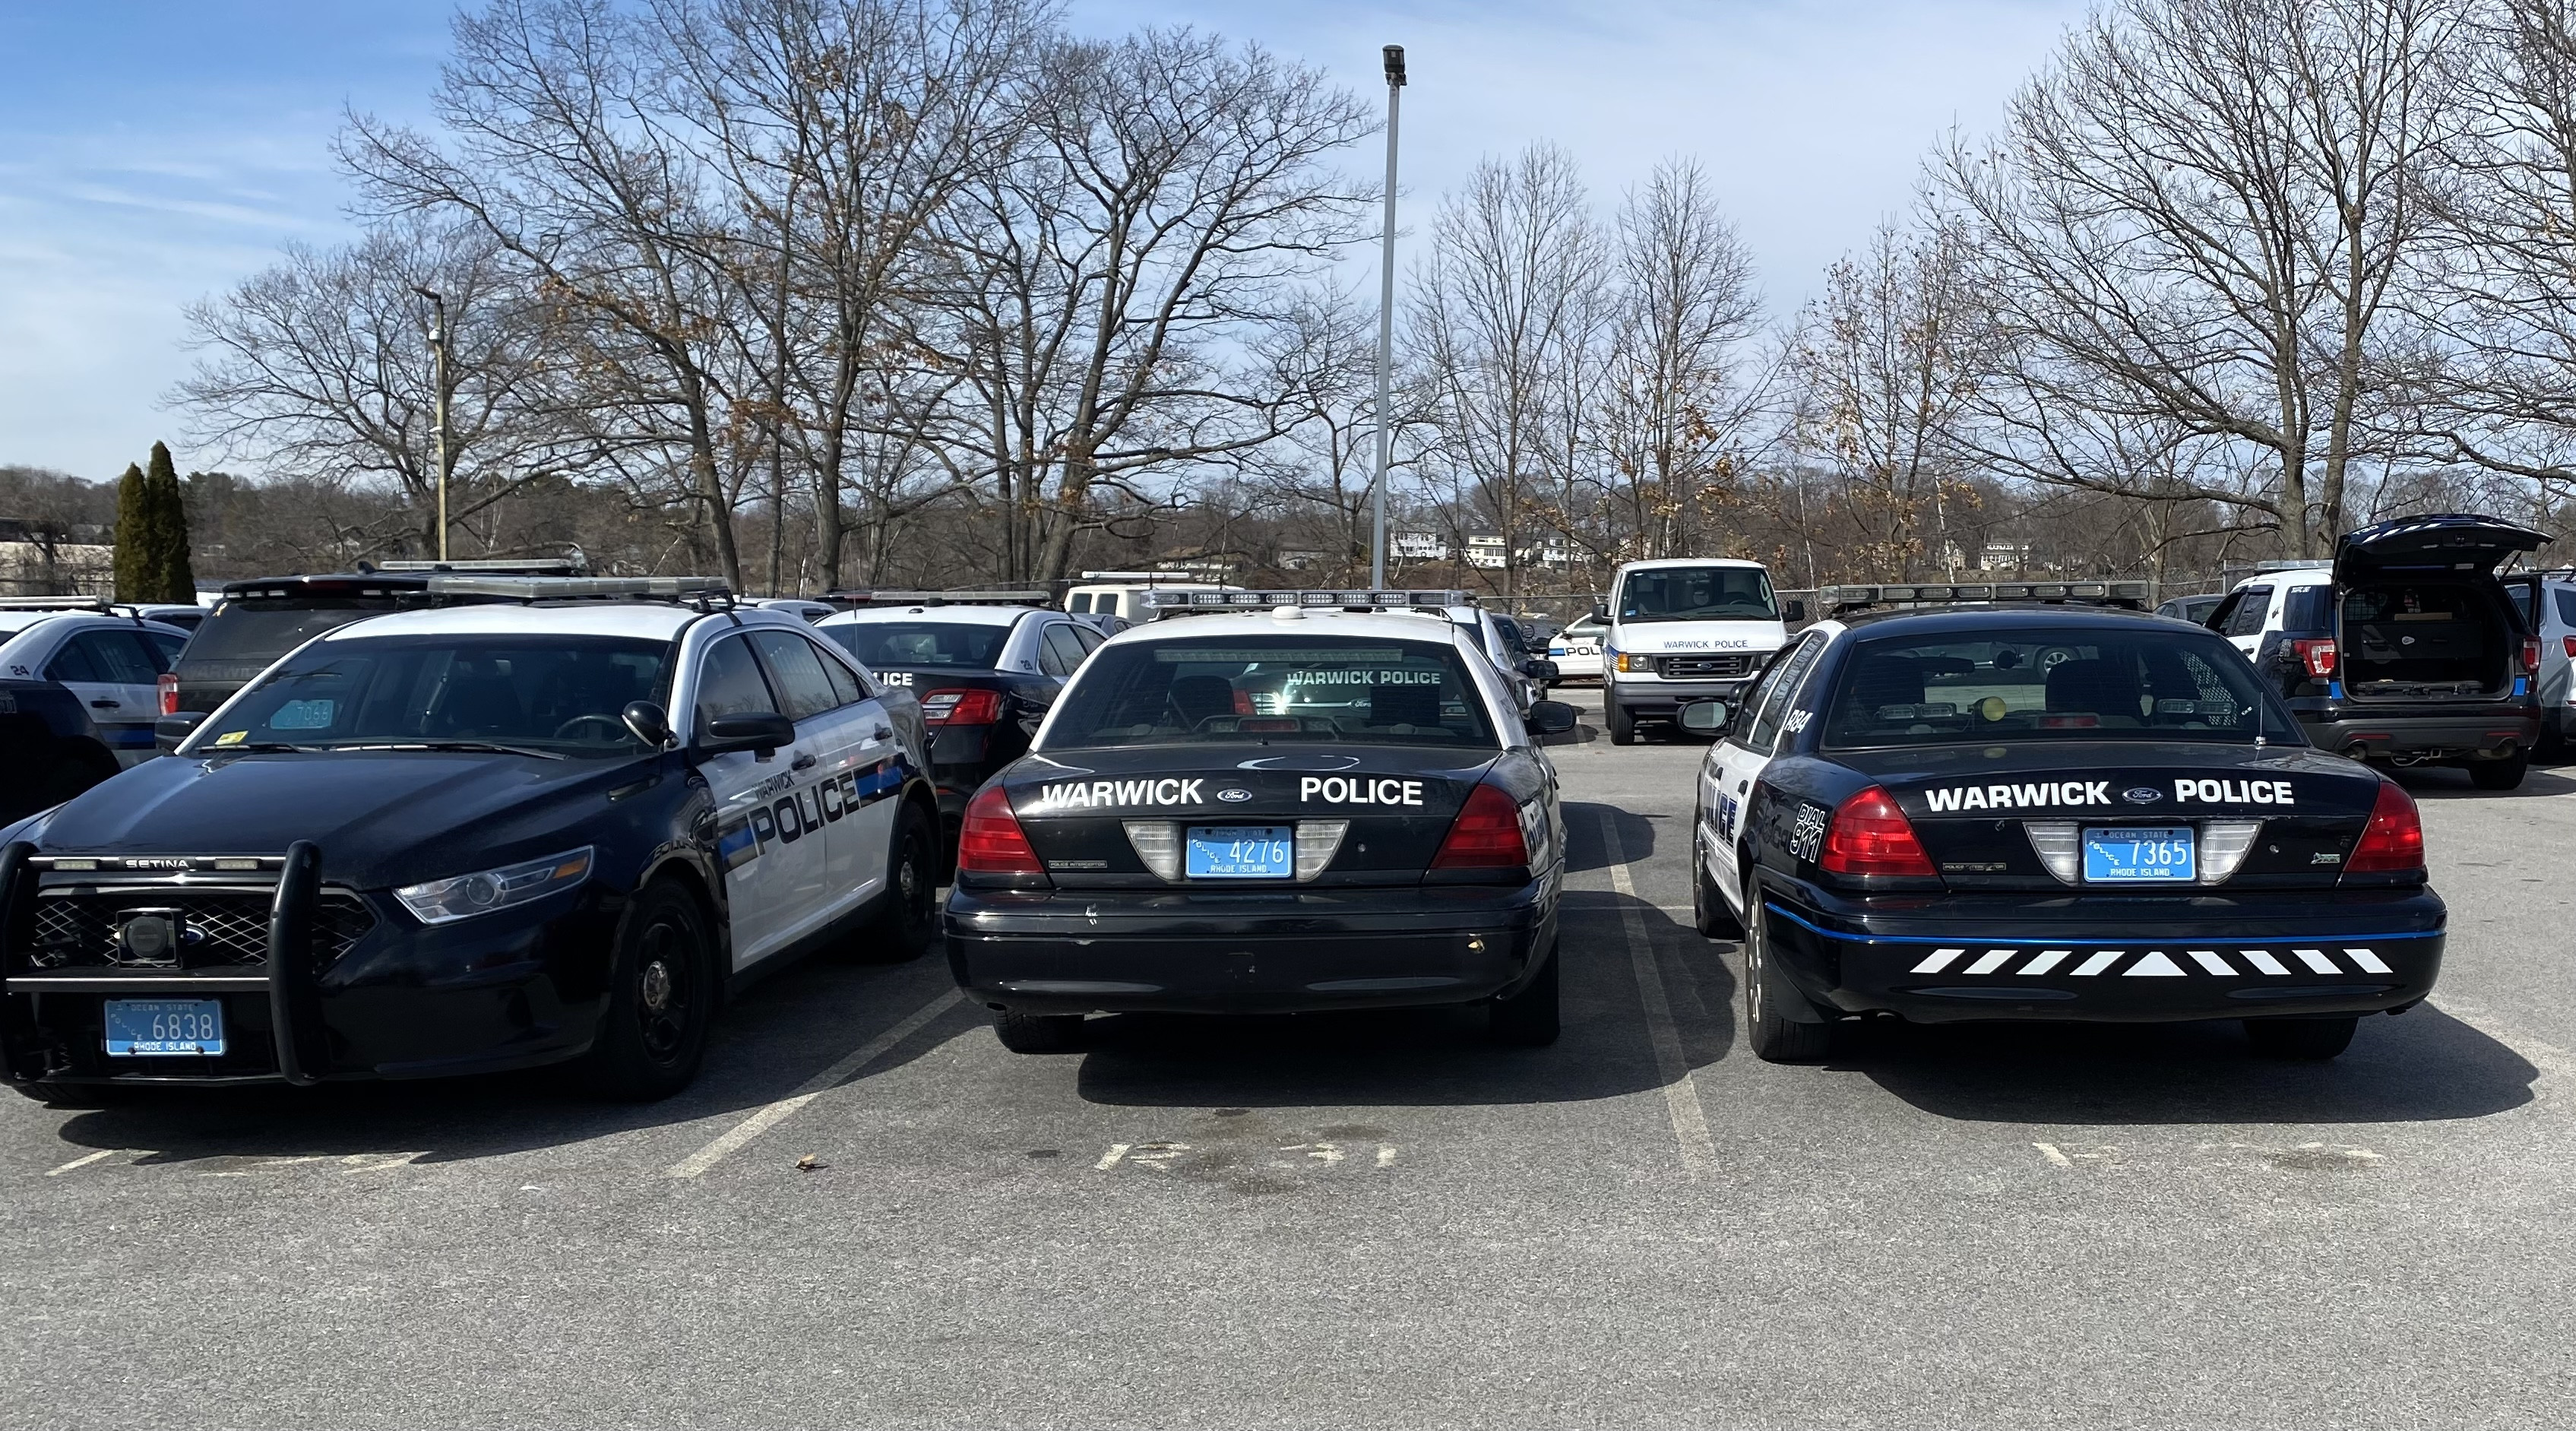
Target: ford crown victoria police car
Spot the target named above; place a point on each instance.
(1303, 809)
(486, 837)
(2048, 812)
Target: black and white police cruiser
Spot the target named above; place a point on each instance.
(2047, 811)
(482, 837)
(1291, 801)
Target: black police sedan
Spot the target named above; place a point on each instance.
(2048, 812)
(1300, 810)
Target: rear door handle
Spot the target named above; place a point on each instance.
(108, 705)
(804, 761)
(884, 732)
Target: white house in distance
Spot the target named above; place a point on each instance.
(42, 559)
(1417, 546)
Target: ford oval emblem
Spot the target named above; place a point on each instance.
(1234, 795)
(2142, 795)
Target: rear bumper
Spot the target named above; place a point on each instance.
(2479, 732)
(1663, 698)
(1067, 952)
(2114, 960)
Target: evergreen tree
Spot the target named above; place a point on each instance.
(169, 578)
(133, 521)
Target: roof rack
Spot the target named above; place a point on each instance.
(1192, 603)
(537, 566)
(705, 592)
(2130, 594)
(940, 598)
(1149, 577)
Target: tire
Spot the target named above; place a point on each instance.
(1528, 1019)
(1623, 726)
(1709, 914)
(1038, 1033)
(2500, 774)
(907, 916)
(1775, 1039)
(661, 999)
(2313, 1039)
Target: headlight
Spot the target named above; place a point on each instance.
(442, 901)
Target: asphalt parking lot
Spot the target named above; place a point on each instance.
(867, 1213)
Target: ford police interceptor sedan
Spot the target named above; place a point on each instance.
(1303, 809)
(484, 837)
(2048, 812)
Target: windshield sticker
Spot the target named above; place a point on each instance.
(1808, 835)
(1338, 791)
(2017, 797)
(1095, 794)
(2235, 792)
(304, 715)
(232, 737)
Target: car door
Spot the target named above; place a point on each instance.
(2247, 619)
(775, 864)
(1736, 761)
(843, 746)
(118, 678)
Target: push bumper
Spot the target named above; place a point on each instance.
(2492, 732)
(1084, 951)
(1663, 698)
(2107, 960)
(512, 990)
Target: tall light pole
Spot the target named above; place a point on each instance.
(438, 384)
(1385, 330)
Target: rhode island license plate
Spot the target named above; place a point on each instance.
(155, 1028)
(2131, 854)
(1241, 852)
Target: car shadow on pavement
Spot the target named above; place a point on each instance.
(1433, 1057)
(780, 1033)
(2439, 782)
(2423, 1066)
(1586, 848)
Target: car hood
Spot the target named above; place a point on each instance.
(2437, 543)
(380, 818)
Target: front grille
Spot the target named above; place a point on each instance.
(1703, 668)
(79, 929)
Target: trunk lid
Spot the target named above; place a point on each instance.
(1396, 802)
(2458, 542)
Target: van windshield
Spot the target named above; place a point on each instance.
(1698, 593)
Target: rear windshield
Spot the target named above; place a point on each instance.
(1698, 593)
(2160, 684)
(954, 644)
(559, 694)
(241, 630)
(1276, 688)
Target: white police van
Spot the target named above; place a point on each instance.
(1682, 630)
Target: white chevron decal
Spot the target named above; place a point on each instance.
(1938, 960)
(1989, 961)
(2317, 960)
(2099, 962)
(2263, 960)
(2208, 959)
(2046, 961)
(2154, 966)
(2370, 963)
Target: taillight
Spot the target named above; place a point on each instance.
(1486, 834)
(2318, 656)
(2531, 655)
(2394, 839)
(967, 707)
(991, 840)
(169, 693)
(1870, 836)
(2571, 646)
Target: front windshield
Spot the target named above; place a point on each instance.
(959, 645)
(2077, 684)
(1271, 688)
(1698, 593)
(557, 695)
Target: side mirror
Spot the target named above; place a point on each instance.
(1550, 718)
(761, 733)
(170, 730)
(1706, 717)
(1601, 613)
(651, 724)
(1794, 610)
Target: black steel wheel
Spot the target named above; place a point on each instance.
(908, 911)
(1623, 726)
(661, 997)
(1775, 1037)
(1038, 1033)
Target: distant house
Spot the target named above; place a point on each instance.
(50, 559)
(1299, 558)
(1485, 551)
(1417, 546)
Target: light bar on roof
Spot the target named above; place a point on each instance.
(1184, 603)
(57, 603)
(943, 598)
(2095, 593)
(568, 588)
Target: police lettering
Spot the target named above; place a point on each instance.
(1338, 790)
(2234, 792)
(2014, 797)
(1092, 794)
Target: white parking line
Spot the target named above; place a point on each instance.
(771, 1115)
(1681, 1095)
(82, 1162)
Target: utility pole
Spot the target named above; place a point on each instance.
(1385, 330)
(438, 386)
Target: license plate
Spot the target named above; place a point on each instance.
(2131, 854)
(1241, 852)
(160, 1028)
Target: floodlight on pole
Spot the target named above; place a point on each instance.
(438, 388)
(1394, 55)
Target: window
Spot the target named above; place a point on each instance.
(2041, 685)
(109, 657)
(1698, 593)
(1089, 637)
(2247, 619)
(2566, 605)
(1273, 689)
(956, 645)
(1066, 650)
(165, 650)
(1079, 604)
(729, 683)
(847, 686)
(72, 663)
(1783, 684)
(559, 693)
(2308, 608)
(803, 689)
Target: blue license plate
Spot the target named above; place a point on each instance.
(161, 1028)
(2131, 854)
(1241, 851)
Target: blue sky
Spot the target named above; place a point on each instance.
(153, 152)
